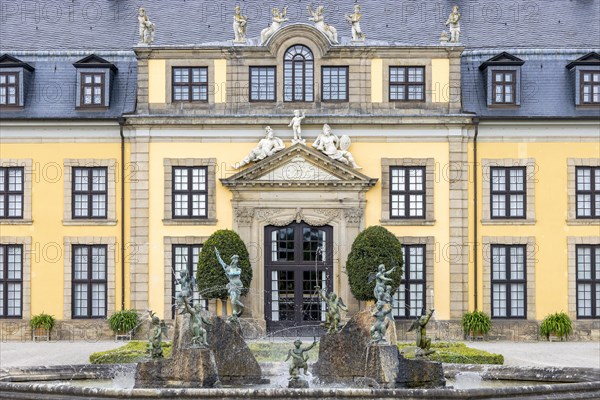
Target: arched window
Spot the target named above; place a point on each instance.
(298, 74)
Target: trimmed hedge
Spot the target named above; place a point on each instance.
(210, 278)
(132, 352)
(373, 246)
(459, 353)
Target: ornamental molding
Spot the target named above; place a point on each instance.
(353, 215)
(244, 215)
(284, 217)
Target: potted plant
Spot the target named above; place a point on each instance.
(41, 325)
(557, 326)
(123, 323)
(476, 324)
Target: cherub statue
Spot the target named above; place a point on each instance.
(146, 28)
(265, 148)
(277, 21)
(317, 16)
(454, 23)
(296, 124)
(354, 20)
(335, 147)
(381, 277)
(155, 340)
(423, 342)
(299, 359)
(240, 24)
(197, 322)
(334, 306)
(235, 286)
(186, 282)
(382, 320)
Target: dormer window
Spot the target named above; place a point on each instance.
(14, 78)
(503, 80)
(503, 87)
(9, 88)
(590, 87)
(92, 89)
(94, 77)
(586, 71)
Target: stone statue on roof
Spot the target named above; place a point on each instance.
(454, 23)
(146, 28)
(334, 147)
(240, 24)
(265, 148)
(318, 17)
(354, 20)
(277, 21)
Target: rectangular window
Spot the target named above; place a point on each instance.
(263, 83)
(587, 192)
(92, 89)
(89, 281)
(590, 87)
(89, 192)
(509, 281)
(504, 87)
(409, 299)
(185, 257)
(335, 83)
(9, 88)
(508, 192)
(190, 84)
(407, 192)
(11, 192)
(407, 83)
(190, 192)
(588, 281)
(11, 281)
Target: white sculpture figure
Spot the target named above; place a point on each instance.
(318, 18)
(265, 148)
(454, 23)
(277, 21)
(146, 27)
(240, 23)
(296, 124)
(334, 147)
(354, 20)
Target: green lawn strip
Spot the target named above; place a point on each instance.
(132, 352)
(459, 353)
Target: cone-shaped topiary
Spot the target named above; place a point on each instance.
(211, 279)
(373, 246)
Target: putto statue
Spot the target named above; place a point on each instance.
(277, 21)
(317, 16)
(155, 340)
(146, 28)
(454, 23)
(197, 322)
(334, 306)
(296, 124)
(240, 24)
(354, 20)
(299, 359)
(265, 148)
(381, 277)
(423, 342)
(334, 147)
(235, 286)
(382, 320)
(186, 283)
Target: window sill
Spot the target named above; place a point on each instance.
(191, 221)
(10, 221)
(583, 221)
(508, 221)
(100, 222)
(408, 222)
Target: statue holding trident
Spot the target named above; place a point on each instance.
(235, 286)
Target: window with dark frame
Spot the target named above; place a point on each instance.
(587, 192)
(9, 88)
(588, 280)
(298, 74)
(508, 192)
(504, 85)
(190, 83)
(509, 281)
(334, 86)
(89, 275)
(185, 257)
(190, 192)
(263, 83)
(590, 87)
(407, 192)
(11, 192)
(90, 193)
(407, 84)
(11, 281)
(92, 89)
(409, 299)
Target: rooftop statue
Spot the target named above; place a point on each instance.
(334, 147)
(423, 342)
(354, 20)
(277, 21)
(334, 306)
(317, 16)
(454, 23)
(296, 124)
(299, 359)
(240, 24)
(266, 147)
(382, 320)
(155, 340)
(235, 286)
(146, 28)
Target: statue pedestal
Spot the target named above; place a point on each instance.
(382, 364)
(298, 383)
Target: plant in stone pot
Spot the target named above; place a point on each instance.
(556, 325)
(41, 325)
(476, 323)
(123, 323)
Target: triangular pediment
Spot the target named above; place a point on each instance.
(592, 58)
(7, 61)
(298, 165)
(503, 58)
(93, 61)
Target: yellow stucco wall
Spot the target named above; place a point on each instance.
(377, 80)
(157, 81)
(220, 81)
(440, 80)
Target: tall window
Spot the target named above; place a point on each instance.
(409, 299)
(190, 84)
(189, 192)
(92, 89)
(185, 258)
(89, 281)
(588, 281)
(590, 87)
(263, 83)
(407, 83)
(407, 192)
(11, 192)
(509, 283)
(335, 83)
(503, 87)
(89, 192)
(11, 281)
(508, 192)
(298, 74)
(9, 88)
(588, 192)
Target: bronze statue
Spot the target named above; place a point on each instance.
(381, 277)
(423, 342)
(197, 322)
(382, 320)
(235, 286)
(186, 292)
(155, 340)
(299, 359)
(334, 306)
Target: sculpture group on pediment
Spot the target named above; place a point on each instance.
(240, 25)
(146, 28)
(336, 148)
(296, 124)
(267, 146)
(277, 20)
(318, 17)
